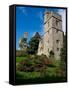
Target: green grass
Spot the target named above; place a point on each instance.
(56, 62)
(18, 59)
(28, 75)
(49, 72)
(35, 77)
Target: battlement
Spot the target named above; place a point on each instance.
(51, 14)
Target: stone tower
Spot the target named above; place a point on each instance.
(25, 34)
(23, 42)
(53, 37)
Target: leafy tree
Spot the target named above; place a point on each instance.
(33, 43)
(23, 43)
(63, 50)
(63, 57)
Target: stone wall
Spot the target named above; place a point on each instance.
(53, 37)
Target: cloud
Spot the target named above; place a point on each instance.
(62, 12)
(23, 10)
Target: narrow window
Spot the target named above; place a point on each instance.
(57, 22)
(57, 41)
(57, 49)
(56, 31)
(48, 31)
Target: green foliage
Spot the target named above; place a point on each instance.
(51, 54)
(33, 63)
(22, 43)
(63, 54)
(63, 50)
(28, 75)
(33, 44)
(34, 66)
(33, 77)
(19, 59)
(51, 71)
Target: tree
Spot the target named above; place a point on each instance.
(63, 51)
(33, 43)
(23, 43)
(63, 56)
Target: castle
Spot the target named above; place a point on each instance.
(23, 42)
(52, 40)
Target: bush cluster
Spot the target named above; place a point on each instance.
(34, 63)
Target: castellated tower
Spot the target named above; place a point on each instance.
(25, 34)
(23, 42)
(53, 37)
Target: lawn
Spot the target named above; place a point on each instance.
(33, 67)
(36, 77)
(28, 75)
(19, 59)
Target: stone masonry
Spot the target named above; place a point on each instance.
(52, 40)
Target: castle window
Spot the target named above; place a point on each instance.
(57, 41)
(56, 31)
(57, 49)
(57, 22)
(48, 31)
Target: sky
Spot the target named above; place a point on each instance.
(31, 19)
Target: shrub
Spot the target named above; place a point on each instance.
(34, 63)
